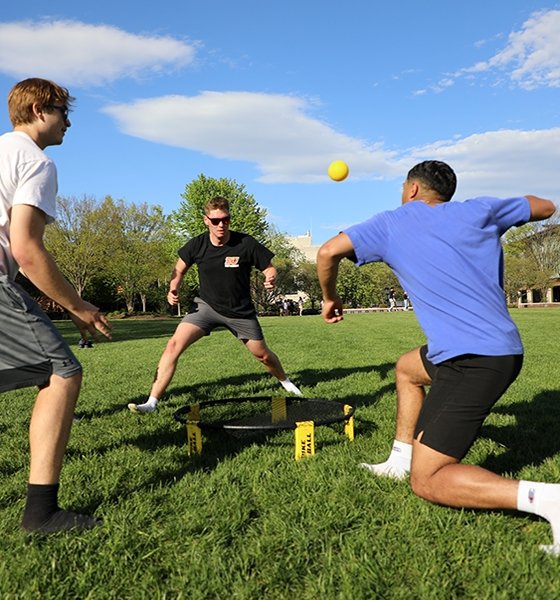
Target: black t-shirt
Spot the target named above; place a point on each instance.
(224, 272)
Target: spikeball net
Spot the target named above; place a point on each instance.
(265, 414)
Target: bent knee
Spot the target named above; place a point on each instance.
(174, 347)
(263, 357)
(420, 485)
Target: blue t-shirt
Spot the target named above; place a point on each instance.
(449, 260)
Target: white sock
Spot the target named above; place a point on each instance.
(542, 499)
(397, 466)
(148, 406)
(290, 387)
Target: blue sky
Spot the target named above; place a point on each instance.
(269, 93)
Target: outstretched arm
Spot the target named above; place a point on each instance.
(328, 258)
(177, 275)
(541, 208)
(27, 227)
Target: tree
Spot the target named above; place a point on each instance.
(377, 277)
(140, 249)
(78, 240)
(307, 281)
(246, 215)
(286, 260)
(531, 256)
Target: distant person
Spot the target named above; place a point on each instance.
(32, 351)
(448, 256)
(392, 300)
(406, 302)
(300, 306)
(225, 260)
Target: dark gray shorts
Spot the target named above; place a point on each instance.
(463, 391)
(204, 316)
(31, 348)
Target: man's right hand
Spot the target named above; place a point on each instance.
(332, 310)
(90, 320)
(173, 297)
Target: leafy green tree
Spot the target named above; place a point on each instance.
(531, 256)
(286, 260)
(140, 249)
(78, 240)
(307, 281)
(246, 215)
(377, 277)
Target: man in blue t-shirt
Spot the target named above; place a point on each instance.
(225, 260)
(448, 258)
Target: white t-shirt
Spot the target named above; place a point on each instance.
(27, 176)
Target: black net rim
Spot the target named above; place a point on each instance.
(180, 415)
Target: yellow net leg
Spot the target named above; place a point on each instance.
(194, 434)
(349, 423)
(304, 439)
(194, 439)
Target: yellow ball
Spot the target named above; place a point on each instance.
(338, 170)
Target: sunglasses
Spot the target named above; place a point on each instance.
(218, 220)
(64, 110)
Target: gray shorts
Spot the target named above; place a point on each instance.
(31, 348)
(204, 316)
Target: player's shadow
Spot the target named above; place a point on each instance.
(126, 330)
(532, 437)
(219, 444)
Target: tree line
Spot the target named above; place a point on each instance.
(120, 255)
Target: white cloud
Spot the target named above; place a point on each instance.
(275, 132)
(531, 57)
(79, 54)
(501, 163)
(287, 145)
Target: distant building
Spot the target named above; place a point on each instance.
(304, 244)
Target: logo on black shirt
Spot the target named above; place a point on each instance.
(231, 262)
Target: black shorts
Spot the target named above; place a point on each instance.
(463, 391)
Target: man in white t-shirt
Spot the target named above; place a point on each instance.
(28, 185)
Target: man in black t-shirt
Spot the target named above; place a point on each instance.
(225, 260)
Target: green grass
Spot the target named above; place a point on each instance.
(246, 521)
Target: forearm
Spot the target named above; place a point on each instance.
(39, 267)
(328, 260)
(541, 208)
(176, 281)
(327, 271)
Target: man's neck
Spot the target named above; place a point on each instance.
(220, 241)
(31, 131)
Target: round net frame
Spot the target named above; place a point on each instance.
(263, 413)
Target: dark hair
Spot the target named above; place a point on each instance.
(437, 176)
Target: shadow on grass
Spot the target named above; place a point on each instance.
(259, 385)
(127, 329)
(219, 445)
(533, 438)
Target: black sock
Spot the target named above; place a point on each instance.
(42, 503)
(42, 514)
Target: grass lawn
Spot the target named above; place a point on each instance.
(244, 520)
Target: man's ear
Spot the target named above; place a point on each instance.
(38, 110)
(413, 190)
